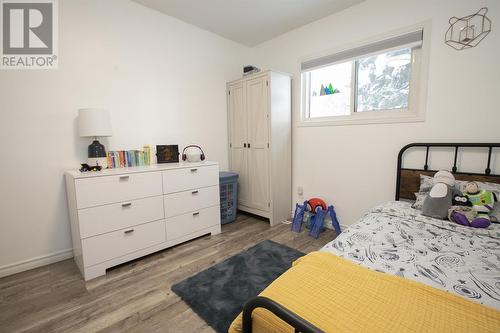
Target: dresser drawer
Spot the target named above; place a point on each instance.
(186, 224)
(112, 245)
(103, 190)
(190, 178)
(102, 219)
(189, 201)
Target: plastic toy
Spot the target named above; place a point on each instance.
(86, 168)
(317, 210)
(298, 216)
(317, 223)
(322, 91)
(314, 204)
(327, 90)
(335, 221)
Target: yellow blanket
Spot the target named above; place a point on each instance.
(337, 295)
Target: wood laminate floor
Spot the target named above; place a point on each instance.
(136, 296)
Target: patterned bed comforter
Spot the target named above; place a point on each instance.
(395, 238)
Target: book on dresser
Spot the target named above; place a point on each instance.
(122, 214)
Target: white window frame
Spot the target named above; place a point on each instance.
(417, 95)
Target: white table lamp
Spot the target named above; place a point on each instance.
(94, 123)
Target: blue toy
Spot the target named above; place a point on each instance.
(298, 216)
(335, 221)
(317, 219)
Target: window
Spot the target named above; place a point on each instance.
(327, 99)
(383, 81)
(377, 81)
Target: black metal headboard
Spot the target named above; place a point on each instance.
(408, 180)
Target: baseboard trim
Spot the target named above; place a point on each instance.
(35, 262)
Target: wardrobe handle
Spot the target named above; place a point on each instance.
(194, 192)
(124, 177)
(194, 170)
(244, 145)
(127, 204)
(196, 214)
(249, 145)
(129, 231)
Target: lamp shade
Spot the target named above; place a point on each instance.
(94, 123)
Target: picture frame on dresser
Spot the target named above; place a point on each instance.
(167, 154)
(117, 215)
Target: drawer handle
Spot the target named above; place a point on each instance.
(124, 177)
(129, 231)
(194, 192)
(196, 214)
(194, 170)
(127, 204)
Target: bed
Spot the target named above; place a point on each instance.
(393, 270)
(396, 239)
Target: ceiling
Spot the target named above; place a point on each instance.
(249, 22)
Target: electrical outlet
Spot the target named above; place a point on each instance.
(300, 190)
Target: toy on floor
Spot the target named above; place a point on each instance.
(317, 223)
(316, 210)
(298, 216)
(314, 204)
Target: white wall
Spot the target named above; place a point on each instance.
(162, 80)
(354, 166)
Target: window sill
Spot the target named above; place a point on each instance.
(361, 119)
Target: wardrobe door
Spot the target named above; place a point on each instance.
(238, 154)
(258, 139)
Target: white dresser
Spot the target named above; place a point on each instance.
(121, 214)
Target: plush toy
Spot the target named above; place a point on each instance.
(440, 198)
(482, 202)
(461, 200)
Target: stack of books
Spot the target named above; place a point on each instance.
(129, 158)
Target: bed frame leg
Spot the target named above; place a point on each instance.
(298, 323)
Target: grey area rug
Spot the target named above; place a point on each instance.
(218, 293)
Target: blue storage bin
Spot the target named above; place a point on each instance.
(228, 182)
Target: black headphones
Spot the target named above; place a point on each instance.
(202, 155)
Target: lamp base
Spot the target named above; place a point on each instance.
(101, 161)
(97, 155)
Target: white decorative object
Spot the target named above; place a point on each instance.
(193, 154)
(121, 214)
(259, 118)
(193, 157)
